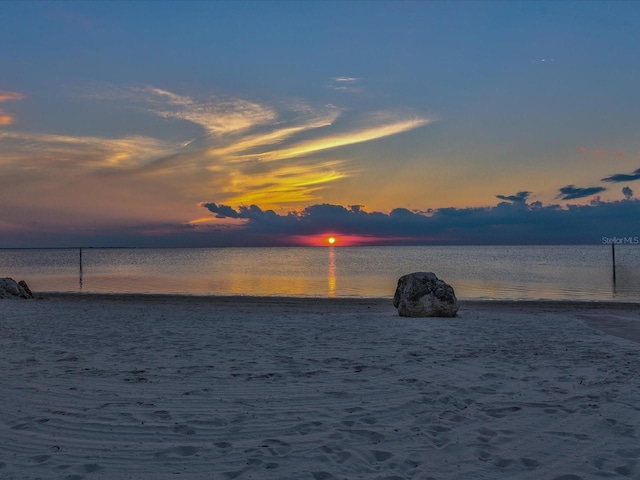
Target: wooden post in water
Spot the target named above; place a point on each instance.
(80, 276)
(613, 259)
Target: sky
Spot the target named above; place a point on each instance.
(178, 124)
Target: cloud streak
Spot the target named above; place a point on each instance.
(520, 197)
(623, 177)
(346, 84)
(22, 149)
(356, 136)
(217, 116)
(570, 192)
(5, 96)
(323, 118)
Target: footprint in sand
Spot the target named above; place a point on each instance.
(184, 451)
(451, 416)
(373, 437)
(338, 454)
(380, 455)
(184, 429)
(40, 458)
(624, 470)
(275, 447)
(530, 462)
(91, 467)
(483, 455)
(438, 429)
(577, 436)
(322, 476)
(628, 453)
(502, 462)
(304, 428)
(79, 472)
(486, 434)
(501, 412)
(162, 415)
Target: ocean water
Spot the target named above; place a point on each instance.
(475, 272)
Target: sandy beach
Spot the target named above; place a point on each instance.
(150, 387)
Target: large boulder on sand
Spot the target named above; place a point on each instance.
(422, 294)
(9, 288)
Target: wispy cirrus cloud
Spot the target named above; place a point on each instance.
(216, 116)
(346, 84)
(86, 152)
(5, 96)
(323, 117)
(384, 128)
(254, 135)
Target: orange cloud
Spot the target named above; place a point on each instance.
(601, 153)
(285, 185)
(5, 118)
(6, 96)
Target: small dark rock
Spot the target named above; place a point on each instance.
(9, 288)
(26, 288)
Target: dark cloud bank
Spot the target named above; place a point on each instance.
(509, 222)
(512, 221)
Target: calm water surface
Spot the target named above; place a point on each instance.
(479, 272)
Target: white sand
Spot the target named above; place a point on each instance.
(138, 387)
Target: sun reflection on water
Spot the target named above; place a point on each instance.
(487, 272)
(331, 278)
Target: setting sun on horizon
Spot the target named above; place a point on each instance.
(342, 240)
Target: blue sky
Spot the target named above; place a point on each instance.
(177, 123)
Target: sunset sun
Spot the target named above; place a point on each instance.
(331, 240)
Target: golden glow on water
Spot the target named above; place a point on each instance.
(526, 272)
(331, 278)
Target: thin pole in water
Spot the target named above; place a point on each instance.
(80, 276)
(613, 259)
